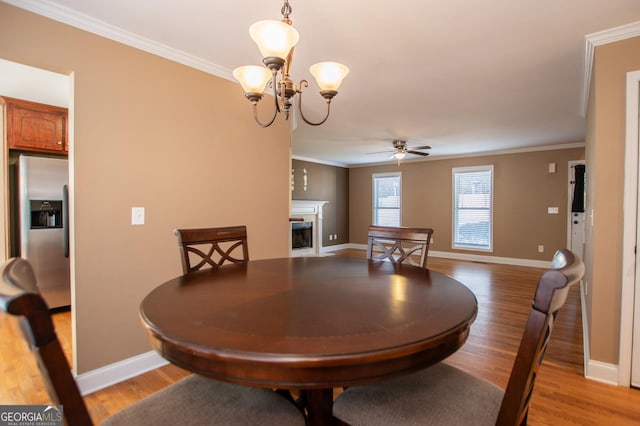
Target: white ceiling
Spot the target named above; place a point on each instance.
(463, 76)
(33, 84)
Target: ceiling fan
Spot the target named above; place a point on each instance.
(400, 150)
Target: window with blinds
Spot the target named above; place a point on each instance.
(386, 199)
(473, 208)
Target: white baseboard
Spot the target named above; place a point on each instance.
(585, 326)
(354, 246)
(335, 248)
(117, 372)
(602, 372)
(463, 256)
(594, 370)
(491, 259)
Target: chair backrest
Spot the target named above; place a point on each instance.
(553, 288)
(399, 244)
(212, 246)
(19, 296)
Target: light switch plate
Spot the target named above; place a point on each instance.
(137, 215)
(552, 210)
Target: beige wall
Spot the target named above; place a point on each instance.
(605, 154)
(149, 132)
(523, 189)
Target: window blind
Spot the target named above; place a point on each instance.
(473, 203)
(386, 199)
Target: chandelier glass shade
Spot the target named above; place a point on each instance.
(329, 75)
(274, 38)
(252, 78)
(276, 41)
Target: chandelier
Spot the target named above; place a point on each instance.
(276, 40)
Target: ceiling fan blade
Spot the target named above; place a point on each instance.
(380, 152)
(424, 154)
(421, 147)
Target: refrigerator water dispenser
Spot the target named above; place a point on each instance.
(46, 214)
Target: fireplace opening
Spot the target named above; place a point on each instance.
(301, 235)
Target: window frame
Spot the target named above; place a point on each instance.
(375, 176)
(471, 169)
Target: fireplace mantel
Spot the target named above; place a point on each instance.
(309, 211)
(302, 207)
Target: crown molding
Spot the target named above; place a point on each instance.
(79, 20)
(597, 39)
(521, 150)
(314, 160)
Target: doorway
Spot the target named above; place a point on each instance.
(576, 203)
(36, 85)
(629, 362)
(576, 207)
(24, 82)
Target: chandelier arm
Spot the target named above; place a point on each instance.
(255, 116)
(274, 84)
(305, 83)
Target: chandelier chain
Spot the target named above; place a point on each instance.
(286, 9)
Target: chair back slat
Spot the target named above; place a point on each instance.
(399, 244)
(551, 294)
(212, 246)
(19, 296)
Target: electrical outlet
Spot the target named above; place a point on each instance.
(335, 236)
(137, 215)
(330, 237)
(540, 249)
(552, 210)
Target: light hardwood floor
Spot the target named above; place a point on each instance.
(562, 395)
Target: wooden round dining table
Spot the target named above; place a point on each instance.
(308, 323)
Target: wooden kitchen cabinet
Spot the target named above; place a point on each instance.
(36, 127)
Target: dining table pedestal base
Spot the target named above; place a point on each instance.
(319, 403)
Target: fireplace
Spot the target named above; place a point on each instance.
(301, 235)
(306, 227)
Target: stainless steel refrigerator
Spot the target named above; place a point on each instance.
(44, 225)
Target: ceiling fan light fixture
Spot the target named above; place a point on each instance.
(399, 155)
(276, 40)
(401, 150)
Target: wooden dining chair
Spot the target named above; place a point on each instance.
(445, 395)
(193, 400)
(399, 244)
(212, 246)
